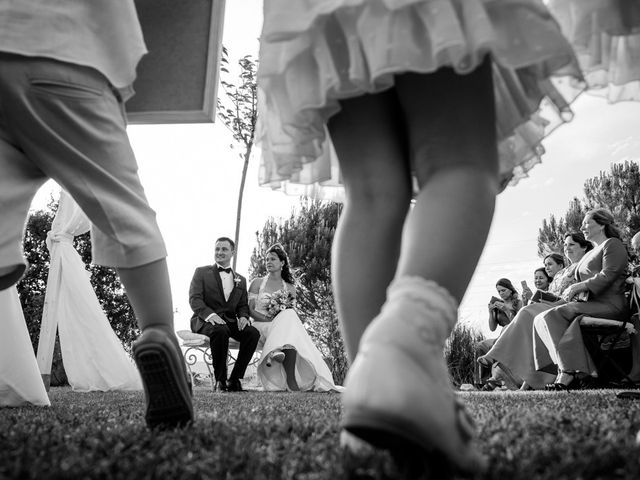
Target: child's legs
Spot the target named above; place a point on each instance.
(369, 140)
(451, 123)
(149, 292)
(19, 181)
(70, 124)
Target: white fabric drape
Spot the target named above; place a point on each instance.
(20, 380)
(93, 356)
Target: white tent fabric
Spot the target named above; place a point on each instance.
(20, 380)
(93, 356)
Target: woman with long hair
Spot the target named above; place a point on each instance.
(290, 361)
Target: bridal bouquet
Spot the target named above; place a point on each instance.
(278, 301)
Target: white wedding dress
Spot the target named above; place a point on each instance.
(286, 331)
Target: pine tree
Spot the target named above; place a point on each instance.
(617, 191)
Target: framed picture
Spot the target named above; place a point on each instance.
(177, 80)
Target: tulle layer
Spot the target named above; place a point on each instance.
(606, 37)
(315, 53)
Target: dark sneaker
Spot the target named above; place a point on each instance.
(164, 379)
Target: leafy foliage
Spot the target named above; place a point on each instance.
(32, 287)
(238, 110)
(458, 353)
(307, 237)
(617, 191)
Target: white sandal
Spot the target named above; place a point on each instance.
(398, 394)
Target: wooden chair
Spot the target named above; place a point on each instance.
(603, 337)
(192, 343)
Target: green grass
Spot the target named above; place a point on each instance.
(256, 435)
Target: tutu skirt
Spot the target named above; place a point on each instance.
(605, 35)
(315, 53)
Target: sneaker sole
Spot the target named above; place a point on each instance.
(168, 402)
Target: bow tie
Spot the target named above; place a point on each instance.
(222, 269)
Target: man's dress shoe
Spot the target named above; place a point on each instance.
(221, 386)
(235, 385)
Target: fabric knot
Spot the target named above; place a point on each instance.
(58, 237)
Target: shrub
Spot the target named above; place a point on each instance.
(458, 353)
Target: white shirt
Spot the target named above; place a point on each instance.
(227, 282)
(227, 286)
(102, 34)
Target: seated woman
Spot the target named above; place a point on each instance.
(501, 312)
(541, 280)
(600, 274)
(513, 351)
(290, 360)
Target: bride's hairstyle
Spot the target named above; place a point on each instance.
(278, 249)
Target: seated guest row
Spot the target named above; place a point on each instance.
(542, 347)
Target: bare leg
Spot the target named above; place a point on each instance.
(454, 150)
(149, 292)
(368, 139)
(399, 377)
(157, 352)
(289, 364)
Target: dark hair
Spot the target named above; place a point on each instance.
(578, 237)
(544, 271)
(506, 283)
(278, 249)
(603, 217)
(556, 257)
(227, 239)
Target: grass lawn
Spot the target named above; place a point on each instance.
(256, 435)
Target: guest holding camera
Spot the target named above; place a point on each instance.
(501, 312)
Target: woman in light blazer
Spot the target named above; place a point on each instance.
(598, 292)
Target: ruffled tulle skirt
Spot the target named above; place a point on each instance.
(605, 35)
(315, 53)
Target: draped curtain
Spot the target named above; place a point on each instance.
(93, 356)
(20, 380)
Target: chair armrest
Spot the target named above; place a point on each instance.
(606, 322)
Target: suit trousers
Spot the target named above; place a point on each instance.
(219, 338)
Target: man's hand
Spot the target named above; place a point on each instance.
(215, 318)
(243, 322)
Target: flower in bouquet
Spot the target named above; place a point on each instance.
(278, 301)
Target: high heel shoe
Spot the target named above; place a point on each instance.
(275, 356)
(565, 381)
(398, 394)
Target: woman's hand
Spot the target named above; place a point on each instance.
(573, 290)
(526, 294)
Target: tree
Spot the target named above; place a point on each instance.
(32, 287)
(617, 191)
(551, 235)
(307, 237)
(239, 112)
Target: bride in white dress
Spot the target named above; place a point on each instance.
(290, 360)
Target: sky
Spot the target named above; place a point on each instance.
(192, 175)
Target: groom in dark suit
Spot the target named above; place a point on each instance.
(218, 298)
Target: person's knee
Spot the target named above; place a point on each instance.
(381, 195)
(219, 332)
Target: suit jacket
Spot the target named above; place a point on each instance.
(206, 296)
(602, 271)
